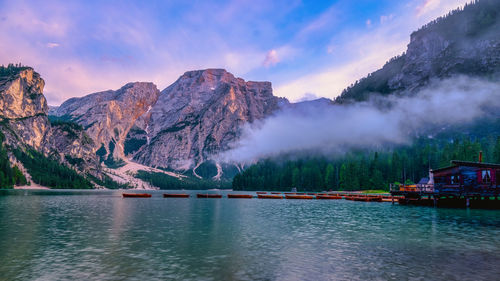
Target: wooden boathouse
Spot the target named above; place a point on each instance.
(463, 184)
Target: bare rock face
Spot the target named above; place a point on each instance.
(108, 116)
(193, 119)
(22, 95)
(23, 111)
(23, 106)
(198, 116)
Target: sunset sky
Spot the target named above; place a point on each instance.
(306, 49)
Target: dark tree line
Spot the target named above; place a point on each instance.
(363, 170)
(49, 172)
(164, 181)
(9, 176)
(11, 69)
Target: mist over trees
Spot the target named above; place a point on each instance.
(363, 170)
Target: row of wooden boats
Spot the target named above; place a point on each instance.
(273, 195)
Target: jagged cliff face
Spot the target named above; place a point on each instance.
(199, 115)
(108, 116)
(466, 42)
(193, 119)
(23, 110)
(23, 106)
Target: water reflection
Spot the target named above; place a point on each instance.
(101, 236)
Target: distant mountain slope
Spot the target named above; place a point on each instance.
(30, 138)
(194, 118)
(199, 115)
(108, 116)
(466, 41)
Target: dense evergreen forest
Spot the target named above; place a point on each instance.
(363, 170)
(49, 172)
(164, 181)
(10, 69)
(9, 176)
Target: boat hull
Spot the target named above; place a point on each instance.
(299, 197)
(170, 195)
(264, 196)
(208, 196)
(136, 195)
(328, 197)
(243, 196)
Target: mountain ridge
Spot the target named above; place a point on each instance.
(460, 43)
(179, 128)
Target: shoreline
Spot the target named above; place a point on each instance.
(31, 187)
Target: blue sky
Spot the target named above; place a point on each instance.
(305, 48)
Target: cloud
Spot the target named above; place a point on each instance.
(370, 51)
(330, 129)
(106, 44)
(437, 7)
(361, 51)
(271, 58)
(52, 45)
(308, 97)
(427, 6)
(384, 19)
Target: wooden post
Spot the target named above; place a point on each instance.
(392, 197)
(435, 201)
(467, 202)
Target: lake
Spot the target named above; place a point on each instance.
(98, 235)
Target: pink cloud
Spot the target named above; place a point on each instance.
(52, 45)
(271, 58)
(426, 6)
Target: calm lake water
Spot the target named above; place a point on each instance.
(48, 235)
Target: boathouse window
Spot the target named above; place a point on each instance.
(455, 179)
(486, 176)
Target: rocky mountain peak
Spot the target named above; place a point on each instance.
(22, 94)
(23, 110)
(190, 121)
(199, 115)
(464, 42)
(108, 116)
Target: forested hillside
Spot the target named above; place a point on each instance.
(466, 41)
(9, 176)
(363, 170)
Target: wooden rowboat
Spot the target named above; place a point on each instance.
(328, 197)
(299, 197)
(367, 199)
(265, 196)
(246, 196)
(208, 195)
(136, 195)
(275, 192)
(173, 195)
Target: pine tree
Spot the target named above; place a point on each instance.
(343, 177)
(330, 183)
(496, 151)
